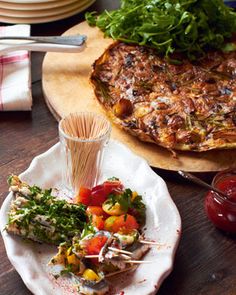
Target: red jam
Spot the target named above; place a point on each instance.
(222, 212)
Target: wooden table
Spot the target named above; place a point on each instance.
(205, 262)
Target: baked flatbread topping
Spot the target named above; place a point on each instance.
(187, 106)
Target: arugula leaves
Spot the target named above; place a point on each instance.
(189, 26)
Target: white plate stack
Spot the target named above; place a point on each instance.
(40, 11)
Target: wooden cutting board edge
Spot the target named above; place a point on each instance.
(54, 74)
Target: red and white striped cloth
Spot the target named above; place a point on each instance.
(15, 75)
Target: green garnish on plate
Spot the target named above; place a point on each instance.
(37, 215)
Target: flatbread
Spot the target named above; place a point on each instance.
(66, 87)
(187, 106)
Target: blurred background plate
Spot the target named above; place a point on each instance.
(36, 6)
(43, 12)
(44, 19)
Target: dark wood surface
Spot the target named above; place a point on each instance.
(205, 262)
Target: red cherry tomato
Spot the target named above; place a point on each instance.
(125, 223)
(98, 222)
(96, 210)
(110, 186)
(95, 244)
(98, 196)
(84, 196)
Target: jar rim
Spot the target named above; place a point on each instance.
(220, 176)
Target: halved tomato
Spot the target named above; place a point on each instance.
(112, 185)
(125, 223)
(109, 223)
(95, 244)
(96, 210)
(84, 196)
(98, 196)
(98, 222)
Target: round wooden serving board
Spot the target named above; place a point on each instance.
(67, 89)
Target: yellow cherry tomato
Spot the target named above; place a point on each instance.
(69, 251)
(109, 223)
(73, 259)
(90, 275)
(134, 195)
(113, 210)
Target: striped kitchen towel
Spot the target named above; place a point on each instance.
(15, 75)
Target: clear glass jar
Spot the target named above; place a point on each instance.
(83, 137)
(221, 211)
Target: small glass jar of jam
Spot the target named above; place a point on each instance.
(222, 211)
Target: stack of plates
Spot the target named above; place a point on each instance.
(40, 11)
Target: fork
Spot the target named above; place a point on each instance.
(75, 40)
(68, 44)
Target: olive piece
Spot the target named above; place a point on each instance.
(123, 108)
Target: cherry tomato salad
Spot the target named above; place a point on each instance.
(112, 207)
(98, 233)
(111, 239)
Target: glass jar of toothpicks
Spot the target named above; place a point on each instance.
(83, 136)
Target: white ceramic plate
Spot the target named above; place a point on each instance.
(163, 224)
(35, 6)
(37, 20)
(43, 12)
(28, 1)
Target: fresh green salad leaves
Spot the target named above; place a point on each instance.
(189, 26)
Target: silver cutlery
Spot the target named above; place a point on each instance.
(75, 40)
(68, 44)
(202, 183)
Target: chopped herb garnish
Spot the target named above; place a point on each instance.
(113, 179)
(42, 217)
(129, 203)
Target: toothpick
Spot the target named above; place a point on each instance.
(149, 242)
(83, 151)
(91, 256)
(133, 267)
(124, 256)
(120, 251)
(138, 261)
